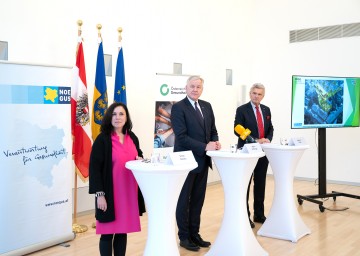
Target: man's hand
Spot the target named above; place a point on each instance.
(213, 145)
(263, 140)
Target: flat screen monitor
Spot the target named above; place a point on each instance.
(324, 102)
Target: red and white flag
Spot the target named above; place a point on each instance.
(80, 118)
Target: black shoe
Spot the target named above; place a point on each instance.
(252, 224)
(189, 245)
(196, 239)
(259, 219)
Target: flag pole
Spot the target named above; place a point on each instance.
(79, 22)
(98, 26)
(77, 228)
(119, 85)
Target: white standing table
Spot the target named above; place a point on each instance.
(161, 185)
(284, 221)
(235, 236)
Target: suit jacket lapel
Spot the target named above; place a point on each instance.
(252, 114)
(263, 111)
(205, 115)
(191, 109)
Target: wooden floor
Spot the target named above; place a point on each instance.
(333, 233)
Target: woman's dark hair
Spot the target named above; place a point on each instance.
(106, 126)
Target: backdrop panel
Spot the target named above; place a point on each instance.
(169, 89)
(35, 157)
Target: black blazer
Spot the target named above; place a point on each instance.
(100, 175)
(191, 133)
(245, 116)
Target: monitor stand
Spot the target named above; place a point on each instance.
(322, 177)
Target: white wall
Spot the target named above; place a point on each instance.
(251, 37)
(275, 60)
(207, 37)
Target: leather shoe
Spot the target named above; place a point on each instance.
(189, 245)
(259, 219)
(196, 239)
(252, 224)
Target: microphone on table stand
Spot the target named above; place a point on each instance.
(244, 133)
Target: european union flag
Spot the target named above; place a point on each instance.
(120, 87)
(100, 99)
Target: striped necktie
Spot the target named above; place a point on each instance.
(197, 110)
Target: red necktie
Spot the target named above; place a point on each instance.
(260, 123)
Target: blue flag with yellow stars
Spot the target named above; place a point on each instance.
(120, 87)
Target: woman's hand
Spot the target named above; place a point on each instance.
(101, 203)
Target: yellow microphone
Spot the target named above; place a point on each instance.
(243, 132)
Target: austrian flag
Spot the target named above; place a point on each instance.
(80, 118)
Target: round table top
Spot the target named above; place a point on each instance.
(238, 154)
(283, 147)
(140, 165)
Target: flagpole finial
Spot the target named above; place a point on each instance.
(119, 38)
(79, 22)
(119, 31)
(99, 26)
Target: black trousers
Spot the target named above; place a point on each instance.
(259, 177)
(190, 203)
(113, 243)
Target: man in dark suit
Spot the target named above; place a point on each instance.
(257, 118)
(193, 123)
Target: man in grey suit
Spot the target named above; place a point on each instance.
(248, 116)
(193, 123)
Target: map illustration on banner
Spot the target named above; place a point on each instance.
(27, 157)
